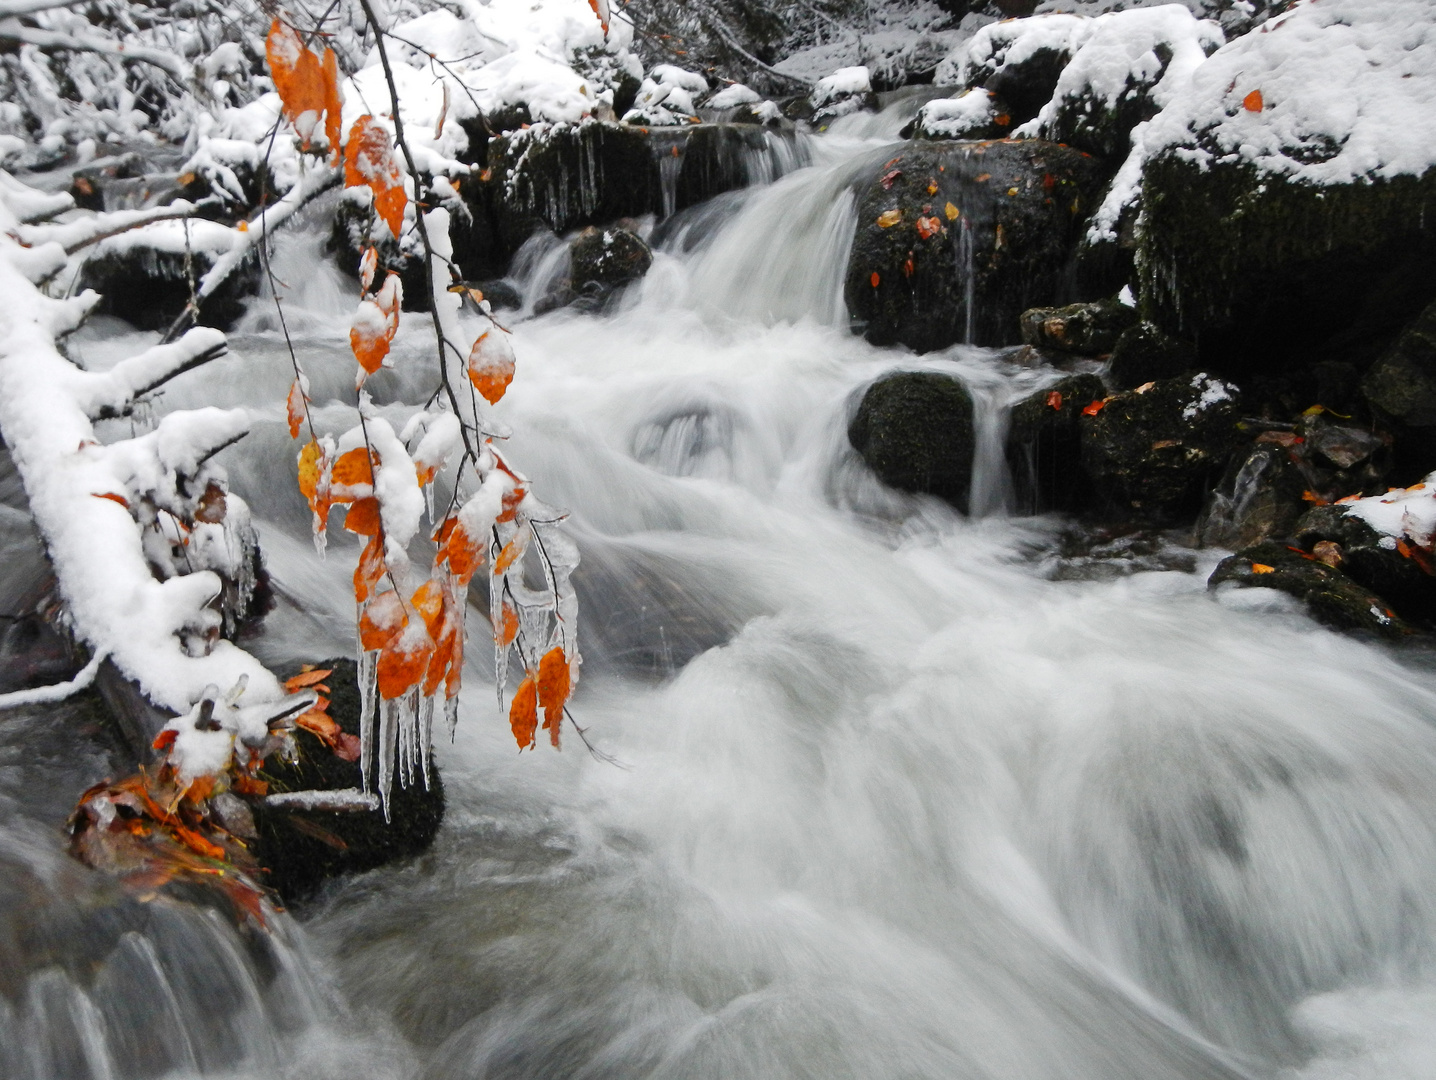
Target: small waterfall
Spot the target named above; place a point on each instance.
(670, 167)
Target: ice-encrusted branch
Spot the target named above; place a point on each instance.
(104, 395)
(76, 235)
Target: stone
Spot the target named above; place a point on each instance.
(1373, 561)
(914, 429)
(150, 287)
(1143, 354)
(1259, 498)
(1087, 329)
(1401, 389)
(1153, 452)
(1264, 273)
(1043, 447)
(303, 849)
(1330, 595)
(926, 276)
(607, 257)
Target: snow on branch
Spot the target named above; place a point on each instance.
(14, 30)
(111, 515)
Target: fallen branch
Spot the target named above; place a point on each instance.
(14, 30)
(48, 695)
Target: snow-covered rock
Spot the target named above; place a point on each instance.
(973, 114)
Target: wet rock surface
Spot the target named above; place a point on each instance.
(1143, 354)
(608, 258)
(1401, 389)
(1259, 498)
(1375, 561)
(1153, 452)
(1044, 445)
(150, 287)
(915, 431)
(1087, 329)
(303, 849)
(926, 276)
(1330, 595)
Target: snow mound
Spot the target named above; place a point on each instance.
(1402, 513)
(958, 118)
(1327, 93)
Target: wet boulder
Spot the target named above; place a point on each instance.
(147, 276)
(1152, 452)
(563, 177)
(608, 258)
(1143, 354)
(844, 92)
(500, 294)
(304, 848)
(1401, 389)
(954, 240)
(1278, 231)
(1259, 498)
(915, 430)
(1397, 570)
(1086, 329)
(1044, 445)
(1330, 595)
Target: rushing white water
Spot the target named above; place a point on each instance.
(903, 794)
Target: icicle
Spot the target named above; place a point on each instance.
(368, 670)
(426, 735)
(388, 730)
(451, 716)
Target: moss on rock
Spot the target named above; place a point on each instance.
(915, 431)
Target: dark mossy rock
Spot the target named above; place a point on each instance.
(1087, 329)
(1259, 498)
(1153, 453)
(500, 294)
(150, 288)
(1331, 596)
(915, 431)
(608, 257)
(350, 234)
(481, 128)
(567, 176)
(1143, 354)
(930, 280)
(1026, 84)
(1044, 446)
(1401, 389)
(1372, 560)
(303, 849)
(1262, 272)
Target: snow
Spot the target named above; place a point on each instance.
(337, 799)
(842, 83)
(1402, 513)
(1348, 92)
(730, 97)
(670, 75)
(1210, 391)
(1016, 41)
(954, 118)
(1119, 52)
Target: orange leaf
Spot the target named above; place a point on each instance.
(491, 364)
(200, 789)
(318, 723)
(309, 470)
(248, 785)
(888, 218)
(875, 279)
(952, 212)
(1054, 399)
(307, 678)
(333, 105)
(1262, 568)
(511, 553)
(300, 80)
(368, 264)
(523, 713)
(465, 553)
(1252, 102)
(553, 689)
(928, 227)
(402, 662)
(369, 336)
(509, 504)
(112, 497)
(354, 469)
(383, 620)
(165, 739)
(370, 569)
(363, 517)
(509, 629)
(907, 266)
(295, 405)
(1094, 408)
(369, 162)
(198, 844)
(1314, 498)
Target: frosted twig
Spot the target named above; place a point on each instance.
(48, 695)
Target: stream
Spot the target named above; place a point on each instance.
(896, 793)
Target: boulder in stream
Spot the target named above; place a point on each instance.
(915, 431)
(1086, 329)
(1152, 452)
(1044, 446)
(955, 240)
(1143, 354)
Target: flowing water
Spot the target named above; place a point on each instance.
(900, 794)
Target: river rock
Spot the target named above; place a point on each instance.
(1259, 498)
(1152, 452)
(914, 429)
(1143, 354)
(973, 114)
(608, 257)
(1401, 389)
(1331, 596)
(1023, 73)
(1044, 446)
(954, 240)
(1087, 329)
(1372, 560)
(305, 848)
(566, 176)
(149, 284)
